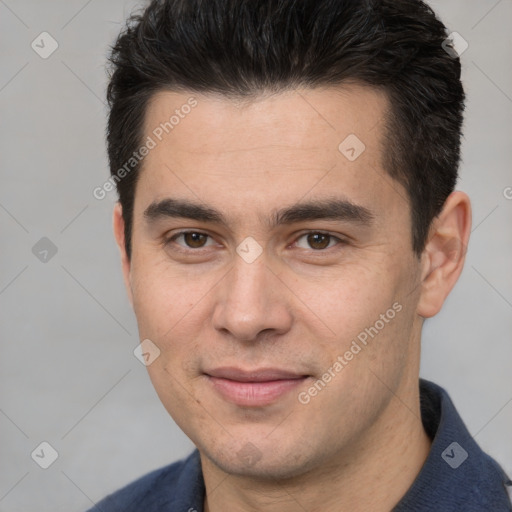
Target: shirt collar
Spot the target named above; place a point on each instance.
(457, 474)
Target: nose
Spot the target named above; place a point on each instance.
(252, 300)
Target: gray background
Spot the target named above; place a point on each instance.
(68, 373)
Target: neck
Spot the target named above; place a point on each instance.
(372, 474)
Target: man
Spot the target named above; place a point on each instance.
(287, 220)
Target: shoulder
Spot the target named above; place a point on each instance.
(458, 474)
(160, 490)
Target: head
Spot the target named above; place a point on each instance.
(288, 199)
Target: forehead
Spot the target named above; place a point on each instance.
(243, 154)
(315, 119)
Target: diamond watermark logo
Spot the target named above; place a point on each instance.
(455, 45)
(249, 250)
(44, 45)
(352, 147)
(454, 455)
(44, 250)
(146, 352)
(249, 454)
(44, 455)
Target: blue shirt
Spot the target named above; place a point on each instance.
(456, 477)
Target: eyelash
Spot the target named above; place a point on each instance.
(171, 239)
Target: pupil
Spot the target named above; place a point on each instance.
(320, 238)
(194, 239)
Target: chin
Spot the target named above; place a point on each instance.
(270, 462)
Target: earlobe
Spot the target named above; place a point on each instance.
(444, 253)
(118, 227)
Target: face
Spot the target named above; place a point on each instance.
(273, 270)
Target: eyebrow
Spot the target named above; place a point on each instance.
(319, 209)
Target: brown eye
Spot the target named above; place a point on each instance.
(318, 241)
(194, 240)
(191, 240)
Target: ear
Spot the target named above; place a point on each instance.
(443, 258)
(118, 225)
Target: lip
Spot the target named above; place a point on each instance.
(253, 388)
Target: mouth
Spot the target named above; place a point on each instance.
(253, 388)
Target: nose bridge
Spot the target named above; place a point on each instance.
(249, 300)
(248, 292)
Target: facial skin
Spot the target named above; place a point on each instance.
(298, 306)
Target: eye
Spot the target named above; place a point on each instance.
(192, 239)
(318, 240)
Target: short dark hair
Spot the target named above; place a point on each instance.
(243, 48)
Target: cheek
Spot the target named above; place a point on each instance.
(370, 320)
(163, 298)
(172, 311)
(355, 298)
